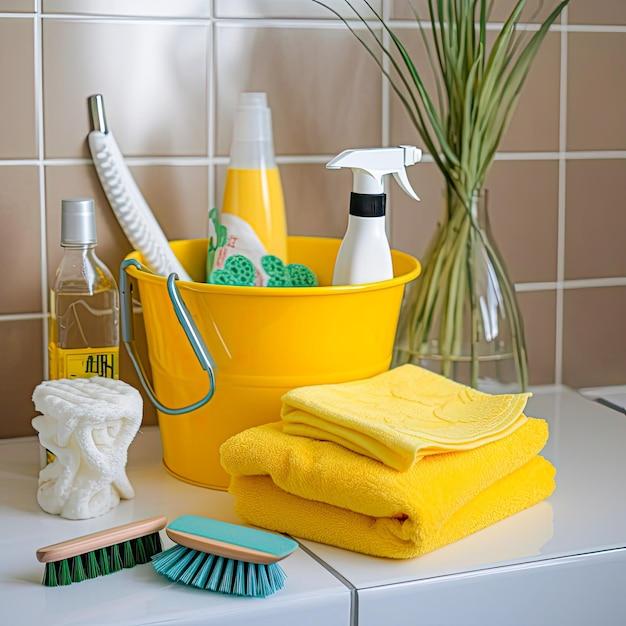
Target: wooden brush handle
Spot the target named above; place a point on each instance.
(102, 539)
(221, 548)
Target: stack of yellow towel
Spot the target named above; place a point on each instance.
(395, 466)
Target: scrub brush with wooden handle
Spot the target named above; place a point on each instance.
(102, 552)
(224, 557)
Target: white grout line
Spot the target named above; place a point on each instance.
(528, 27)
(386, 111)
(122, 19)
(595, 154)
(566, 285)
(586, 283)
(38, 89)
(211, 112)
(596, 28)
(21, 317)
(176, 161)
(526, 287)
(560, 270)
(295, 22)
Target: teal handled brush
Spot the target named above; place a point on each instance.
(101, 553)
(224, 557)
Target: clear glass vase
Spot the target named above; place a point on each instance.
(460, 318)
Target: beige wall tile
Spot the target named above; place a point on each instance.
(153, 77)
(401, 129)
(20, 239)
(596, 84)
(323, 89)
(326, 95)
(17, 6)
(176, 195)
(534, 126)
(539, 318)
(287, 8)
(81, 181)
(317, 200)
(523, 206)
(413, 224)
(597, 12)
(140, 8)
(21, 370)
(594, 337)
(535, 10)
(595, 219)
(535, 123)
(18, 134)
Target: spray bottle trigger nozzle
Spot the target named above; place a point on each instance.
(412, 155)
(403, 180)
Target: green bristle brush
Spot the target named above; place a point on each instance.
(101, 553)
(224, 557)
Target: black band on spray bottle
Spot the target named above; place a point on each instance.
(367, 205)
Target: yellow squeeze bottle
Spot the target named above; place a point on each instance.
(253, 191)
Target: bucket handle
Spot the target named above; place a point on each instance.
(185, 320)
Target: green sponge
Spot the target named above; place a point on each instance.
(292, 275)
(276, 270)
(302, 276)
(238, 270)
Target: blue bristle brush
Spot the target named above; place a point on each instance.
(101, 553)
(224, 557)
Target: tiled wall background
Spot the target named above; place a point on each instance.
(170, 72)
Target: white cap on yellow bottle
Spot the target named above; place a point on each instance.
(252, 144)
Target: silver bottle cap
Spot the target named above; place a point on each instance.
(78, 222)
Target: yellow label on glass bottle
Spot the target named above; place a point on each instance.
(84, 363)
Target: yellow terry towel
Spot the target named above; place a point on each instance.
(401, 415)
(318, 490)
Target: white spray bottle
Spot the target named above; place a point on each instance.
(364, 255)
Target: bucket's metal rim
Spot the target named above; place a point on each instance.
(283, 291)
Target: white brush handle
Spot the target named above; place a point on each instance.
(130, 208)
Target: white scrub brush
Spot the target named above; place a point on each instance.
(128, 204)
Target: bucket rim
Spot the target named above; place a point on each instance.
(255, 291)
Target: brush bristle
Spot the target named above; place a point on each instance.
(207, 571)
(102, 562)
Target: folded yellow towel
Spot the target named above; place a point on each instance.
(401, 415)
(320, 491)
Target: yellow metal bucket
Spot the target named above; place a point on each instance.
(262, 341)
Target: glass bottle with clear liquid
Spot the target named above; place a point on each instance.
(84, 302)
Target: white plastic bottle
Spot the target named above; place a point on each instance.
(364, 255)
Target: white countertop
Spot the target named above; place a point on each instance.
(561, 562)
(138, 595)
(613, 397)
(573, 545)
